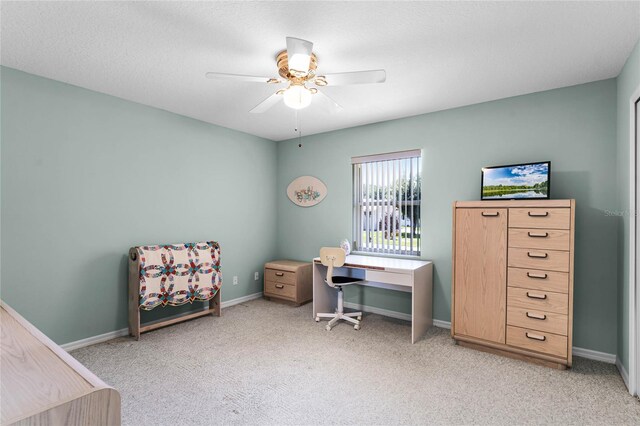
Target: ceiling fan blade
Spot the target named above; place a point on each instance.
(239, 77)
(267, 103)
(327, 103)
(298, 55)
(355, 77)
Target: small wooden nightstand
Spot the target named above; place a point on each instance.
(288, 280)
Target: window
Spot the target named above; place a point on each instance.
(386, 203)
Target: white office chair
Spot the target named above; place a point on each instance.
(334, 257)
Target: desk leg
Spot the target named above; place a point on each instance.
(324, 297)
(421, 302)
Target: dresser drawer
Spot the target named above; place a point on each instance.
(538, 280)
(553, 218)
(550, 239)
(538, 300)
(549, 260)
(546, 343)
(280, 276)
(534, 319)
(280, 290)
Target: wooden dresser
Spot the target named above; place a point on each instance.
(44, 385)
(288, 280)
(512, 287)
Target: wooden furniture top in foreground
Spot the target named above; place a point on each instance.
(42, 384)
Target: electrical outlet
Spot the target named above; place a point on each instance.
(235, 280)
(256, 276)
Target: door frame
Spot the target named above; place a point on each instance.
(634, 234)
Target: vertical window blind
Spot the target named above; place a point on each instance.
(386, 203)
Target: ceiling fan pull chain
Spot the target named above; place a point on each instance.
(299, 130)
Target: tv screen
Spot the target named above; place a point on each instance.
(518, 181)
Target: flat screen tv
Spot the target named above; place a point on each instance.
(517, 181)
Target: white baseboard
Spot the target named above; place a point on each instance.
(125, 331)
(594, 355)
(581, 352)
(623, 372)
(242, 299)
(392, 314)
(442, 324)
(379, 311)
(94, 339)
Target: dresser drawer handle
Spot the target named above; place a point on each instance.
(279, 274)
(538, 234)
(538, 255)
(487, 214)
(536, 316)
(537, 276)
(279, 286)
(535, 337)
(538, 214)
(536, 296)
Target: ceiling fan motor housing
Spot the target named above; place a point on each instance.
(282, 60)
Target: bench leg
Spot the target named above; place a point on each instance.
(134, 295)
(215, 304)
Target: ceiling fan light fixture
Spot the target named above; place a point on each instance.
(299, 56)
(297, 96)
(299, 64)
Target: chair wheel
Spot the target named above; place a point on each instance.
(359, 318)
(328, 328)
(317, 319)
(356, 327)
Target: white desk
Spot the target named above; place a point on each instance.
(410, 276)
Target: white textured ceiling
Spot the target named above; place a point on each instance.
(437, 55)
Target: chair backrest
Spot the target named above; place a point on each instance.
(332, 257)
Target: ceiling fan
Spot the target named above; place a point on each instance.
(297, 66)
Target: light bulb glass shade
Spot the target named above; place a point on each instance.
(299, 55)
(299, 64)
(297, 97)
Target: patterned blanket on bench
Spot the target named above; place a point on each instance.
(174, 274)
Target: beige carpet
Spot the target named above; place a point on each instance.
(268, 363)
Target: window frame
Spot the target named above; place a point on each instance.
(385, 174)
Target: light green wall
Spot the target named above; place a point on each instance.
(77, 166)
(574, 127)
(628, 82)
(85, 176)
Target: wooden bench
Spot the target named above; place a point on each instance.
(43, 385)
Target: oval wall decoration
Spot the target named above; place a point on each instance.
(306, 191)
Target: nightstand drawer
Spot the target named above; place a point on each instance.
(537, 320)
(546, 343)
(287, 291)
(280, 276)
(553, 218)
(538, 299)
(550, 239)
(550, 260)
